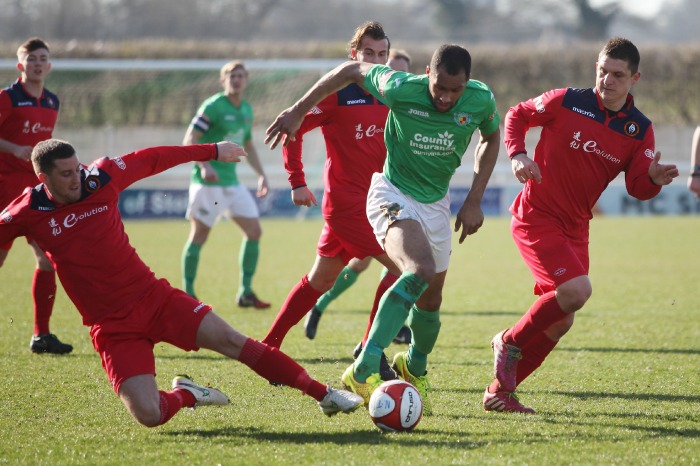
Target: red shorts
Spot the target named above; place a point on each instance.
(12, 186)
(164, 314)
(552, 256)
(348, 237)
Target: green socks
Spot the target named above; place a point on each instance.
(425, 327)
(190, 262)
(345, 280)
(393, 310)
(248, 262)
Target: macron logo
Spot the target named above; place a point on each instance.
(583, 112)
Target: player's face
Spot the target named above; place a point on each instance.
(445, 89)
(613, 81)
(35, 65)
(63, 183)
(374, 51)
(236, 82)
(398, 64)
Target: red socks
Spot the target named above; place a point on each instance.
(44, 294)
(299, 301)
(172, 402)
(275, 366)
(534, 354)
(542, 314)
(386, 282)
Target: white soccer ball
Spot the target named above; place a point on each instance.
(396, 406)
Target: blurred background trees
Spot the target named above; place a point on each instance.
(472, 21)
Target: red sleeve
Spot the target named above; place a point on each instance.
(10, 228)
(637, 178)
(538, 111)
(291, 154)
(129, 168)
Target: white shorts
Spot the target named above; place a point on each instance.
(386, 204)
(208, 203)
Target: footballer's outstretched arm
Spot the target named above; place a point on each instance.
(288, 122)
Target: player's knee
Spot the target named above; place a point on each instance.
(147, 415)
(572, 299)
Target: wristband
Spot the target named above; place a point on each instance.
(297, 187)
(695, 174)
(517, 153)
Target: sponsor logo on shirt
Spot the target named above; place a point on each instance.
(370, 131)
(34, 128)
(585, 113)
(432, 146)
(356, 102)
(72, 219)
(25, 104)
(420, 113)
(591, 147)
(559, 272)
(199, 308)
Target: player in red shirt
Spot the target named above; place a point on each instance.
(588, 137)
(28, 114)
(73, 216)
(352, 122)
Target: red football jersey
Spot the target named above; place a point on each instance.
(352, 122)
(24, 120)
(582, 148)
(99, 269)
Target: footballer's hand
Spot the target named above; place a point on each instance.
(662, 174)
(263, 187)
(284, 128)
(230, 152)
(469, 218)
(23, 153)
(524, 168)
(303, 196)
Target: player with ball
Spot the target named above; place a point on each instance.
(431, 121)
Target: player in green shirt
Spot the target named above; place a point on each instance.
(214, 187)
(429, 127)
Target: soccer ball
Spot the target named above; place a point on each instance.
(396, 406)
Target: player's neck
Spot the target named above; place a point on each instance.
(33, 88)
(235, 99)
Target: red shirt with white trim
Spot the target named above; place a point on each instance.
(352, 122)
(85, 240)
(582, 148)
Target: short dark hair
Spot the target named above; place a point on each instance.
(31, 45)
(372, 29)
(453, 59)
(45, 154)
(620, 48)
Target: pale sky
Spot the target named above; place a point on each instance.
(644, 8)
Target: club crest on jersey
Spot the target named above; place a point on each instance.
(92, 184)
(462, 119)
(631, 128)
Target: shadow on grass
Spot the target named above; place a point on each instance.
(421, 438)
(633, 350)
(446, 312)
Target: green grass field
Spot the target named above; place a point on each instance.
(621, 388)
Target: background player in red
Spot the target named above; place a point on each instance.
(73, 216)
(352, 122)
(588, 137)
(28, 114)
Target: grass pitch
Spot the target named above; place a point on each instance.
(621, 388)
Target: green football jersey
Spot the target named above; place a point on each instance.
(226, 122)
(425, 147)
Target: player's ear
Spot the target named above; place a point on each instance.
(20, 67)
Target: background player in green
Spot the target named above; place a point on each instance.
(429, 127)
(214, 187)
